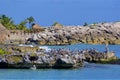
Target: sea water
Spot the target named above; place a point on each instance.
(67, 12)
(89, 72)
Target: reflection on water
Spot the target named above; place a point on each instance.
(90, 71)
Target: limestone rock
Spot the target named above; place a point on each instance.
(4, 34)
(64, 63)
(101, 33)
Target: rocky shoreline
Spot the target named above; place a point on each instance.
(14, 56)
(22, 57)
(101, 33)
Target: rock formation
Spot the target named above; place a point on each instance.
(4, 34)
(102, 33)
(26, 57)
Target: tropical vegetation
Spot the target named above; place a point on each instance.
(10, 25)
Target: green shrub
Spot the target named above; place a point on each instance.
(2, 52)
(7, 22)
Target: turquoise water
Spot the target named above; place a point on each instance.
(67, 12)
(89, 72)
(93, 71)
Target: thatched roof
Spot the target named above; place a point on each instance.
(36, 26)
(57, 26)
(4, 33)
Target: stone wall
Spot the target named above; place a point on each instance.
(4, 34)
(19, 37)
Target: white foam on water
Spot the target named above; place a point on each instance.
(41, 47)
(26, 45)
(45, 47)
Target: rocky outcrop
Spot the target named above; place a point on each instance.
(95, 56)
(102, 33)
(64, 62)
(26, 57)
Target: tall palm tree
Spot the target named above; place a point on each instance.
(30, 20)
(7, 22)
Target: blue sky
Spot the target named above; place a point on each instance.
(67, 12)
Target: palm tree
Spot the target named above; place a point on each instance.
(30, 20)
(7, 22)
(22, 26)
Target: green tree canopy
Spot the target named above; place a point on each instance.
(7, 22)
(30, 20)
(22, 26)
